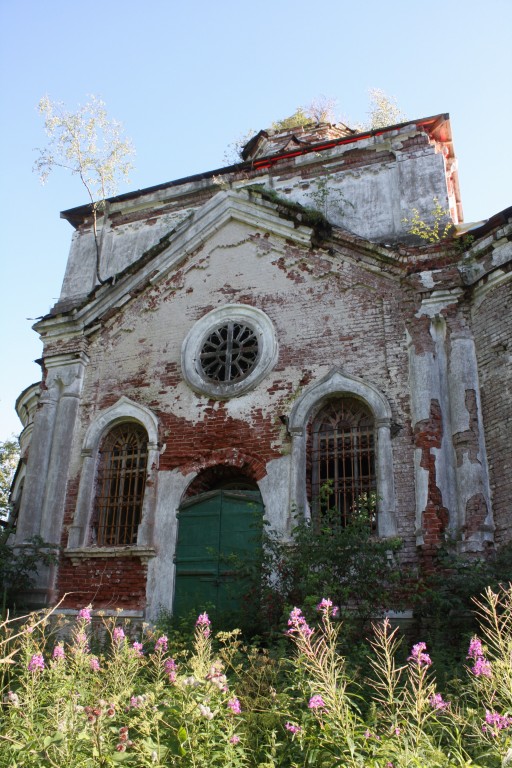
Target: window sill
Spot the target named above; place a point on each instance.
(76, 555)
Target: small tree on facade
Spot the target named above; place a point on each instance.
(91, 146)
(384, 110)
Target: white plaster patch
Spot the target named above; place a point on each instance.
(275, 492)
(439, 300)
(427, 279)
(421, 476)
(161, 569)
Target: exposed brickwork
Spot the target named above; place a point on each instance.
(476, 512)
(428, 435)
(492, 323)
(103, 583)
(336, 300)
(466, 443)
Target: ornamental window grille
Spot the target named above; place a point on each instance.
(229, 353)
(120, 485)
(343, 480)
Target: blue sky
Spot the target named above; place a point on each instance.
(187, 79)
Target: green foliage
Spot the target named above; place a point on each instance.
(227, 704)
(384, 110)
(444, 602)
(327, 198)
(441, 225)
(19, 564)
(86, 143)
(355, 568)
(298, 119)
(9, 457)
(89, 145)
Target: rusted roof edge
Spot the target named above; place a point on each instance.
(76, 215)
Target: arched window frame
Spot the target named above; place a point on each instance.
(125, 410)
(341, 450)
(312, 400)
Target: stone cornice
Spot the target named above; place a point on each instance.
(79, 554)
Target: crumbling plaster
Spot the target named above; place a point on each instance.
(370, 197)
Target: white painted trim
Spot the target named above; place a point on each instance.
(124, 410)
(191, 348)
(339, 384)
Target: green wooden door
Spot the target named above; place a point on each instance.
(219, 541)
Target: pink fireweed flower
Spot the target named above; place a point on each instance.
(170, 667)
(482, 667)
(316, 702)
(436, 701)
(137, 647)
(234, 739)
(326, 607)
(36, 662)
(418, 656)
(84, 614)
(293, 728)
(58, 652)
(234, 706)
(118, 635)
(498, 721)
(298, 624)
(203, 623)
(94, 664)
(161, 644)
(475, 648)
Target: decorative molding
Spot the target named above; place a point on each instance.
(78, 554)
(192, 345)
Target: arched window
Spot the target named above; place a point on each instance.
(342, 460)
(120, 485)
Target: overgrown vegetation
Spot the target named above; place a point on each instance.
(359, 571)
(438, 228)
(19, 565)
(91, 146)
(383, 111)
(143, 701)
(9, 457)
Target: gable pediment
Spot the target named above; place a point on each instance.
(254, 209)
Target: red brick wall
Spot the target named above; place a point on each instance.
(492, 324)
(111, 582)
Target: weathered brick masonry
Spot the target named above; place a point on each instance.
(343, 304)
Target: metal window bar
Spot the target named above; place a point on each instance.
(343, 464)
(229, 353)
(121, 483)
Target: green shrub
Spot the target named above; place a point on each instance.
(227, 703)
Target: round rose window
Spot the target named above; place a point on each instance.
(229, 353)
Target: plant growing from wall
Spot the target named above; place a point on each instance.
(327, 199)
(439, 228)
(89, 145)
(384, 110)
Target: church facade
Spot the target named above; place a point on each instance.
(237, 345)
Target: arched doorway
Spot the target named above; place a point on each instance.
(219, 546)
